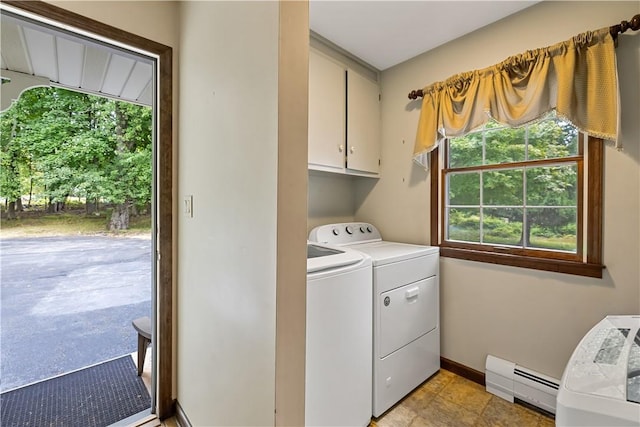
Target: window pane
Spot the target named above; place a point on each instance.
(505, 145)
(504, 196)
(465, 150)
(464, 189)
(552, 228)
(551, 139)
(502, 188)
(463, 224)
(552, 186)
(502, 226)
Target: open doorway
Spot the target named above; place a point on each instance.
(159, 56)
(76, 256)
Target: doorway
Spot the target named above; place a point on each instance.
(40, 13)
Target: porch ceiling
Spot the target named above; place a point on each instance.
(70, 61)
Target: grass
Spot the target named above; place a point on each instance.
(66, 224)
(560, 243)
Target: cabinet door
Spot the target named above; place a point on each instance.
(363, 123)
(327, 112)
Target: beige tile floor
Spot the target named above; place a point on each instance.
(448, 400)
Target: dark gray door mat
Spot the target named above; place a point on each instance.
(96, 396)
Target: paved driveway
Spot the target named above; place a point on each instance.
(68, 302)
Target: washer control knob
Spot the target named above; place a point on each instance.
(362, 229)
(349, 229)
(335, 231)
(369, 229)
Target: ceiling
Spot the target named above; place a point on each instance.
(386, 33)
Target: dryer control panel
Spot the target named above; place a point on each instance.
(347, 233)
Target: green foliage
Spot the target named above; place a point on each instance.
(67, 143)
(464, 189)
(546, 186)
(12, 158)
(501, 227)
(129, 178)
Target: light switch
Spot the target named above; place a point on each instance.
(188, 206)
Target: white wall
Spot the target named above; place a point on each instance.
(331, 198)
(530, 317)
(155, 20)
(227, 251)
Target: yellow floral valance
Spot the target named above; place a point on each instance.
(577, 78)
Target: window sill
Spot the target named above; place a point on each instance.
(545, 264)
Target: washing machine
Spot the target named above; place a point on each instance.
(406, 314)
(600, 385)
(339, 337)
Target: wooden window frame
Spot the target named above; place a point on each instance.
(588, 260)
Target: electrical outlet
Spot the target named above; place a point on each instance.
(188, 206)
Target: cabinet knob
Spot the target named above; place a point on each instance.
(341, 148)
(352, 150)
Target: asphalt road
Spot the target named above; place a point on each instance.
(68, 302)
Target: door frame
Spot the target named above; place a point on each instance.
(163, 310)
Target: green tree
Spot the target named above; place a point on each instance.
(130, 171)
(11, 159)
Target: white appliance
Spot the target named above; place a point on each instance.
(406, 320)
(339, 337)
(600, 385)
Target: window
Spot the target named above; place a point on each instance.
(516, 196)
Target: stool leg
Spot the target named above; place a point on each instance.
(143, 343)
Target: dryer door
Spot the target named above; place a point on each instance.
(406, 313)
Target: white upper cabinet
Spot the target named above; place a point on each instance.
(363, 123)
(327, 112)
(344, 119)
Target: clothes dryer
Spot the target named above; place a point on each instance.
(406, 314)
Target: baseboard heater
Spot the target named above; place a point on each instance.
(509, 381)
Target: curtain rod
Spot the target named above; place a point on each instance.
(614, 30)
